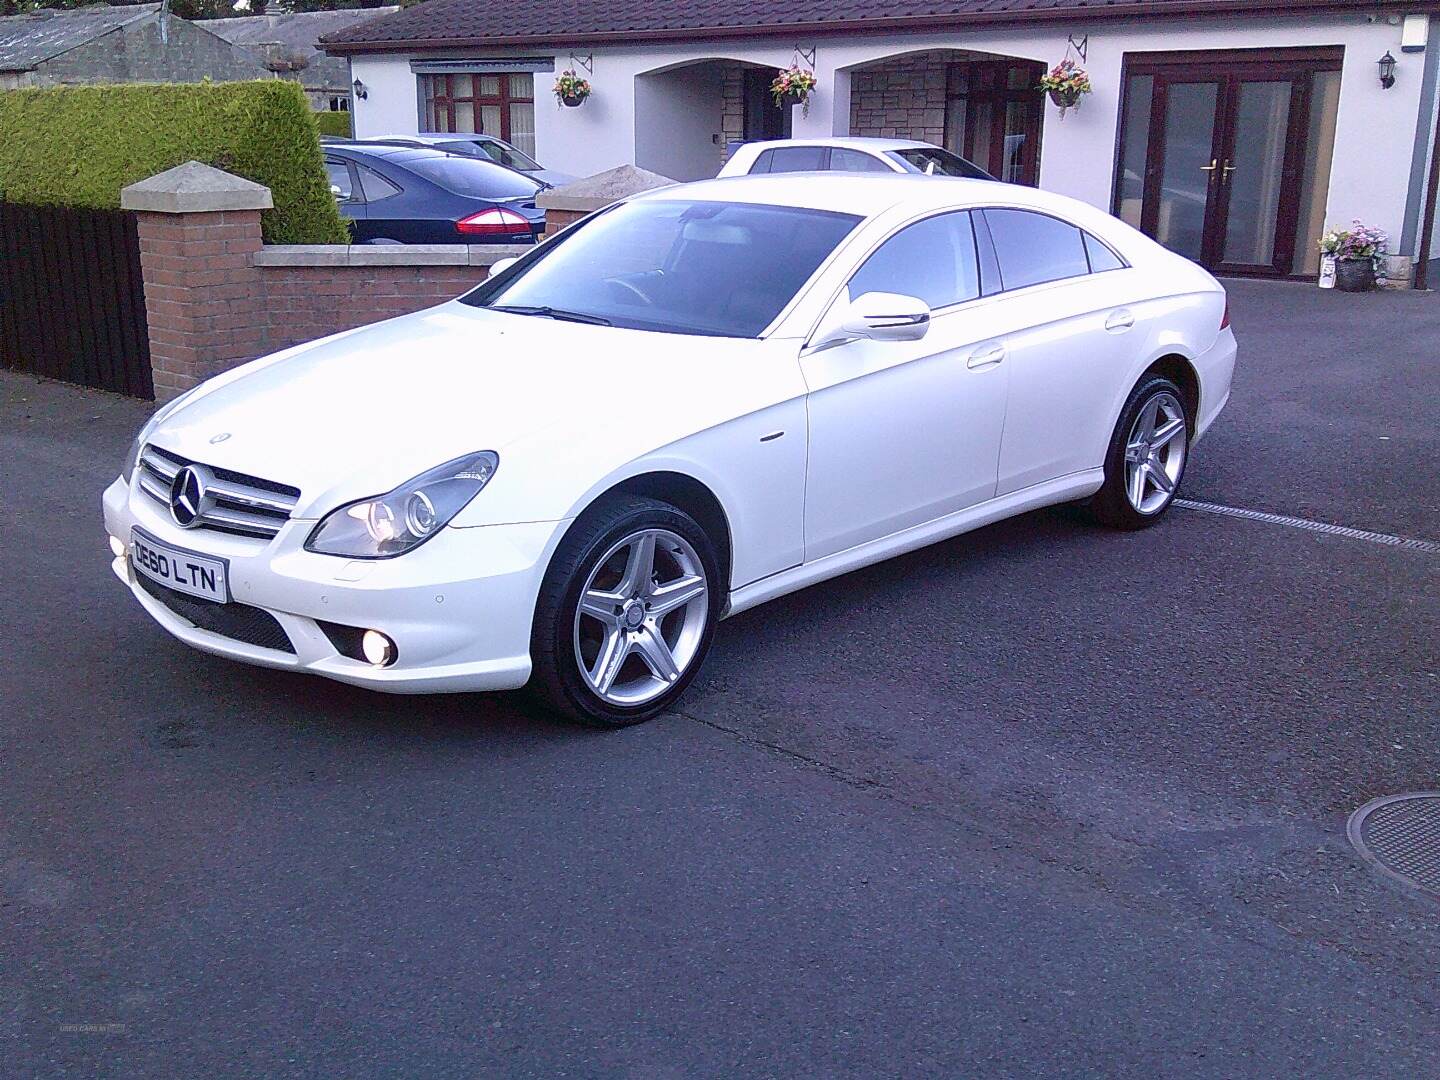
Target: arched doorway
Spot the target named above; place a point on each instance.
(688, 116)
(982, 106)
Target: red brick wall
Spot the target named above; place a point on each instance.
(308, 302)
(213, 301)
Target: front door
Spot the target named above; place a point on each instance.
(1229, 159)
(763, 119)
(904, 432)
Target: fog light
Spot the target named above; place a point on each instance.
(378, 649)
(117, 547)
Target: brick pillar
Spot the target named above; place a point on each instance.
(569, 203)
(199, 230)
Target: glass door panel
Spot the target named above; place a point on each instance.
(1315, 177)
(1253, 172)
(1187, 164)
(1134, 144)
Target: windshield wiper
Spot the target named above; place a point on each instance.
(547, 312)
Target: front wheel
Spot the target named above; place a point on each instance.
(626, 613)
(1146, 459)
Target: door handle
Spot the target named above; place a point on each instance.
(987, 356)
(1120, 321)
(1211, 166)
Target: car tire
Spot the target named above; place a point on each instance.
(606, 665)
(1146, 458)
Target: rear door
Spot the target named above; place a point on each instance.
(1073, 326)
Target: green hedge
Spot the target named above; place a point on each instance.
(333, 123)
(79, 145)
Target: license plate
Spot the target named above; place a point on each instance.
(175, 568)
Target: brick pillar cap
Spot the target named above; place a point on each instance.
(602, 189)
(195, 188)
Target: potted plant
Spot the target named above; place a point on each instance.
(1066, 83)
(570, 89)
(1355, 252)
(793, 85)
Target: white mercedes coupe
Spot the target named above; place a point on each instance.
(687, 404)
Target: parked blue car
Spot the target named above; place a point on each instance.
(411, 195)
(484, 147)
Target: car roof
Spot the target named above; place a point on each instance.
(865, 194)
(431, 137)
(402, 155)
(853, 142)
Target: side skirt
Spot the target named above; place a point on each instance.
(1065, 489)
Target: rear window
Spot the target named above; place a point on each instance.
(844, 160)
(1035, 248)
(791, 159)
(472, 177)
(938, 162)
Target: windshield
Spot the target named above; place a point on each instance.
(473, 177)
(919, 158)
(723, 269)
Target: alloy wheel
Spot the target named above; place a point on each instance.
(641, 617)
(1155, 453)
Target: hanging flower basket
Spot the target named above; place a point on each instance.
(793, 86)
(1066, 83)
(571, 90)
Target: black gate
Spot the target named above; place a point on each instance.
(72, 303)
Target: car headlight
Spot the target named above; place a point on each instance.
(390, 525)
(132, 456)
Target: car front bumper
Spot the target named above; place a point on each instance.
(458, 608)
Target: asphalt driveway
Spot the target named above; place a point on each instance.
(1041, 800)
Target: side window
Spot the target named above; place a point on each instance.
(797, 159)
(762, 163)
(375, 186)
(843, 160)
(932, 259)
(339, 174)
(1101, 257)
(1034, 248)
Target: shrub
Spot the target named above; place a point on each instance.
(79, 145)
(334, 123)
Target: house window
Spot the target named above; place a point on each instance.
(993, 111)
(502, 105)
(339, 104)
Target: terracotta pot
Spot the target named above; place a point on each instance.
(1355, 275)
(570, 101)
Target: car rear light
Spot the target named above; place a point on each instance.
(491, 222)
(1225, 318)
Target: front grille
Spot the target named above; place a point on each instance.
(240, 622)
(232, 502)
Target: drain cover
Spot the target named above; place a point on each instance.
(1399, 835)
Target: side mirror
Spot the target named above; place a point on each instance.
(335, 191)
(878, 316)
(499, 266)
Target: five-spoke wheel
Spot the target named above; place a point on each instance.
(626, 612)
(1147, 455)
(641, 616)
(1155, 453)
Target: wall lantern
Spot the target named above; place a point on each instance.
(362, 93)
(1386, 64)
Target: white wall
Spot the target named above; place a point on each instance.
(1375, 127)
(678, 122)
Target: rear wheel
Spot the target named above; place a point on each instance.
(626, 613)
(1147, 456)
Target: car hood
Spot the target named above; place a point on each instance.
(357, 414)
